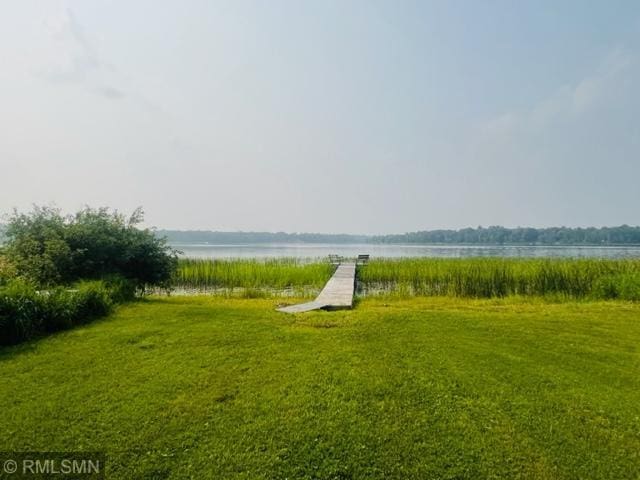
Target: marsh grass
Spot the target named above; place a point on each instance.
(252, 276)
(407, 277)
(499, 277)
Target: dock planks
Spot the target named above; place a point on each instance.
(336, 294)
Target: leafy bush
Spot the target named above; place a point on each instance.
(100, 256)
(92, 299)
(26, 312)
(57, 310)
(20, 316)
(120, 289)
(7, 270)
(50, 249)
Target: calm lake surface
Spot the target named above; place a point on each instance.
(309, 251)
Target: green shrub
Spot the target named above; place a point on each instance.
(120, 289)
(57, 309)
(74, 268)
(26, 313)
(92, 299)
(7, 270)
(51, 249)
(20, 312)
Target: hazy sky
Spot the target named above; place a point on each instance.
(324, 116)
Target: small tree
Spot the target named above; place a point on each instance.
(37, 246)
(50, 248)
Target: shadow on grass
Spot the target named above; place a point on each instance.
(31, 345)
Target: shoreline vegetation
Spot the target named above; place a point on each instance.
(446, 368)
(58, 271)
(250, 278)
(623, 235)
(596, 279)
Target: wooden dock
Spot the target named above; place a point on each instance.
(336, 294)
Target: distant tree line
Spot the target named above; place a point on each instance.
(230, 238)
(622, 235)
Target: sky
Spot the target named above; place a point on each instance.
(324, 116)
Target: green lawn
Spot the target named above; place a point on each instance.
(204, 387)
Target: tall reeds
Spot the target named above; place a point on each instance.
(277, 274)
(499, 277)
(464, 277)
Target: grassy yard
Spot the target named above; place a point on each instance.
(201, 387)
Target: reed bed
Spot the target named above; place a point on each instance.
(499, 277)
(250, 274)
(463, 277)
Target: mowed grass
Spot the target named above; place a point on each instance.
(205, 387)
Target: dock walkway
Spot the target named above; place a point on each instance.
(336, 294)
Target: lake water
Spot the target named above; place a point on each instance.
(308, 250)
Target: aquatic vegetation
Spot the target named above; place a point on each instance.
(461, 277)
(499, 277)
(278, 274)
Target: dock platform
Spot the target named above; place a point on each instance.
(336, 294)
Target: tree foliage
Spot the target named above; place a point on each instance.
(50, 248)
(496, 235)
(232, 238)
